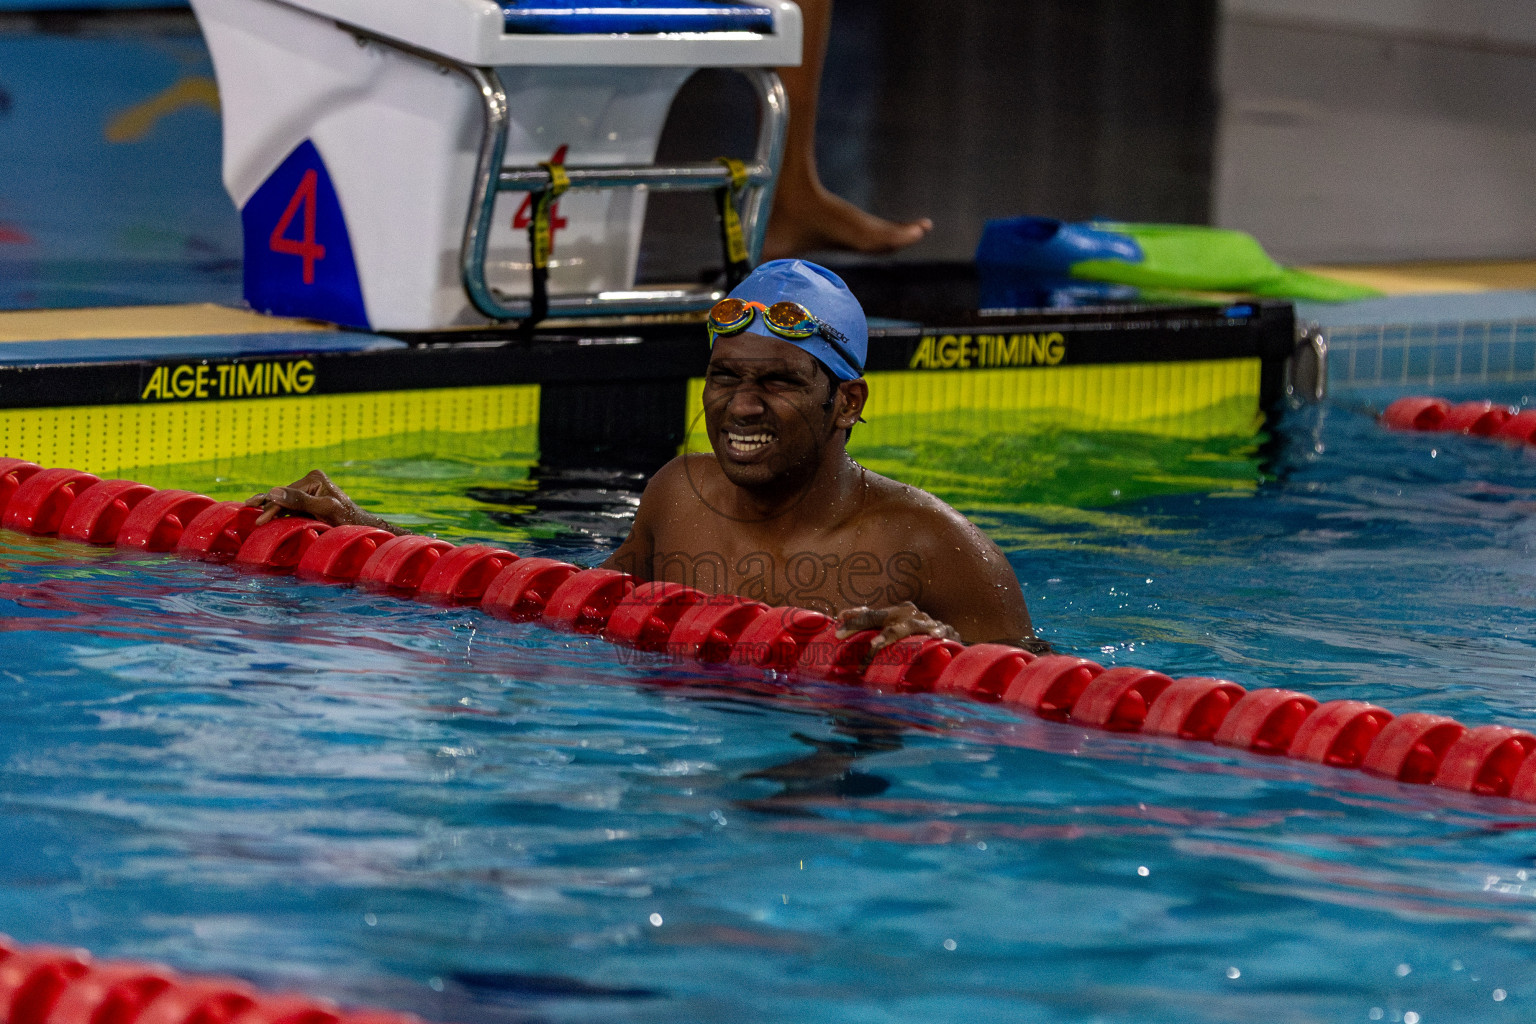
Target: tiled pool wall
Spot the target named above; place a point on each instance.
(1430, 355)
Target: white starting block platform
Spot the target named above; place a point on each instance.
(384, 154)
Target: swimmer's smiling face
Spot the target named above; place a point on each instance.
(765, 406)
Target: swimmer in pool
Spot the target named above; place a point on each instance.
(780, 512)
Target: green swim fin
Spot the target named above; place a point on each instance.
(1210, 259)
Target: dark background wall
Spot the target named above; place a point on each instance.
(1377, 131)
(970, 109)
(960, 111)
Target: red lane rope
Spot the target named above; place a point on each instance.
(1482, 419)
(52, 985)
(1489, 760)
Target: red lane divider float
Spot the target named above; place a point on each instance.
(587, 599)
(1488, 760)
(49, 985)
(1192, 708)
(1265, 721)
(280, 545)
(982, 671)
(1481, 419)
(339, 554)
(1521, 428)
(97, 515)
(1411, 747)
(13, 473)
(157, 523)
(39, 502)
(462, 574)
(1339, 733)
(648, 616)
(401, 563)
(1418, 748)
(912, 665)
(707, 632)
(218, 532)
(1051, 686)
(1118, 700)
(775, 640)
(522, 589)
(837, 659)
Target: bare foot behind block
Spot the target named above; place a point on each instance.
(811, 220)
(806, 217)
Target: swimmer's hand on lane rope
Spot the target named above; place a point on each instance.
(314, 495)
(894, 623)
(906, 619)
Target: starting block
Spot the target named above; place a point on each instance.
(389, 157)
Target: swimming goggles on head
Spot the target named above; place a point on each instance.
(787, 319)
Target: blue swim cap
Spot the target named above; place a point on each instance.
(824, 294)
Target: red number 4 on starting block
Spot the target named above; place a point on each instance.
(306, 247)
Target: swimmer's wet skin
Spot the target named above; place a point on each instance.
(781, 512)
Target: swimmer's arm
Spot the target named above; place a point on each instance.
(314, 495)
(636, 555)
(978, 592)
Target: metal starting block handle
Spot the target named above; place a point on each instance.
(678, 178)
(491, 179)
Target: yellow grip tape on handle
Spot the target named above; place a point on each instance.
(543, 241)
(735, 240)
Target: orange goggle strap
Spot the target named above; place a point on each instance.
(541, 238)
(738, 263)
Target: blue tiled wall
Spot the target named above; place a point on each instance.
(1429, 354)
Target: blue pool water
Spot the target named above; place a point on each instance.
(110, 192)
(419, 807)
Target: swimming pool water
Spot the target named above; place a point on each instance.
(419, 807)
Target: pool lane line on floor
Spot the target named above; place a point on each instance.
(670, 618)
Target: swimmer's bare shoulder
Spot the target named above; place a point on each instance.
(672, 493)
(966, 579)
(668, 496)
